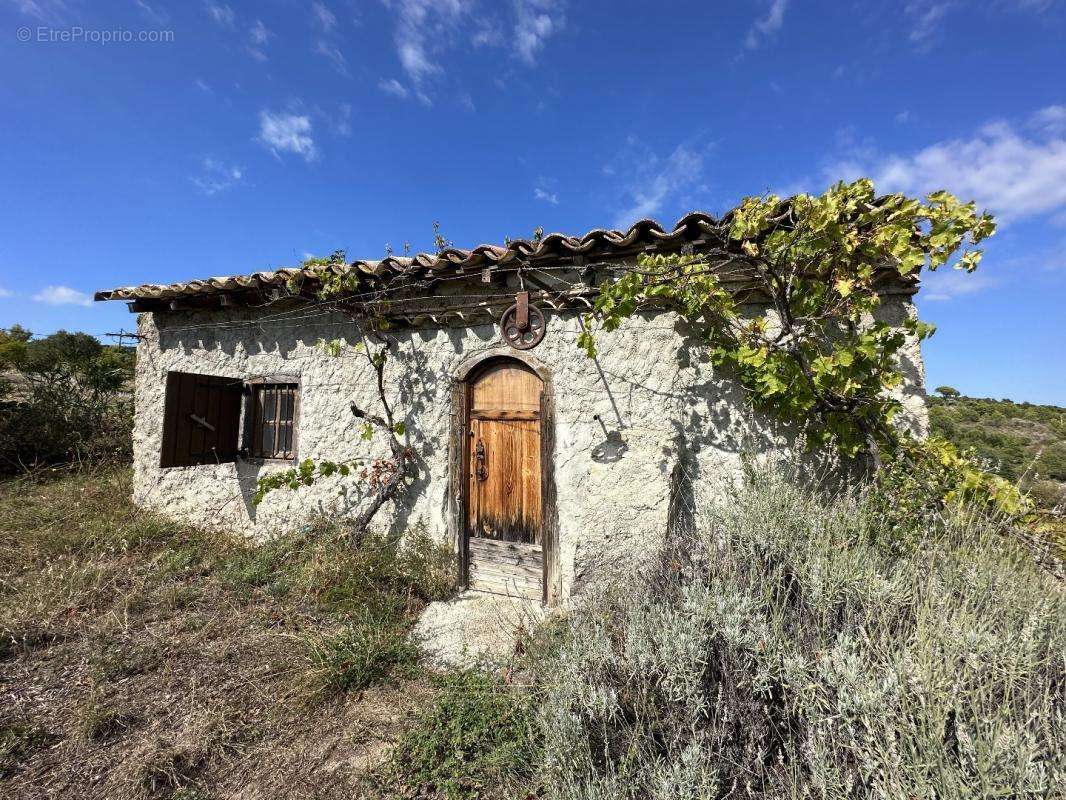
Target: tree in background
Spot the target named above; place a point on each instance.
(63, 398)
(948, 392)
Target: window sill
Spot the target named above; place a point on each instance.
(259, 460)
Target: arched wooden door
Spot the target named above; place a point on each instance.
(505, 480)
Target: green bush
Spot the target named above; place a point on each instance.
(782, 651)
(477, 739)
(64, 398)
(371, 649)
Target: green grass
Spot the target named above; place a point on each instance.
(478, 739)
(134, 604)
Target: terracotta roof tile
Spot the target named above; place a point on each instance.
(599, 241)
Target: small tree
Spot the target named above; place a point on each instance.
(948, 392)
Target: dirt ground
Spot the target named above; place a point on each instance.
(140, 672)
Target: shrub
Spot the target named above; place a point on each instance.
(781, 652)
(64, 399)
(477, 739)
(371, 649)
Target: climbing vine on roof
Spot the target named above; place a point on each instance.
(815, 352)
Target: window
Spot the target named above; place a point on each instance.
(203, 414)
(273, 415)
(201, 419)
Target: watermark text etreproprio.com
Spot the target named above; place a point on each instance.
(76, 34)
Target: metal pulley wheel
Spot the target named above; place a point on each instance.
(523, 325)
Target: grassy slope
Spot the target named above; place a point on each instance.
(1020, 441)
(142, 658)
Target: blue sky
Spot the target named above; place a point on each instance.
(230, 137)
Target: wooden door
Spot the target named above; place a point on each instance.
(505, 550)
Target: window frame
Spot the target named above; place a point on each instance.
(253, 426)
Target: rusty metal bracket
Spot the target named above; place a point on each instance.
(521, 317)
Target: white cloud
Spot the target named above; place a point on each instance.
(393, 87)
(342, 122)
(546, 196)
(903, 117)
(152, 13)
(46, 10)
(334, 55)
(221, 13)
(1050, 120)
(216, 177)
(420, 22)
(535, 23)
(765, 27)
(259, 33)
(287, 133)
(947, 284)
(658, 182)
(258, 36)
(927, 17)
(202, 85)
(1013, 175)
(5, 292)
(62, 296)
(323, 17)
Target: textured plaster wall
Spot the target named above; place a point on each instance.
(681, 425)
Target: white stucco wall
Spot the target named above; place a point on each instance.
(649, 383)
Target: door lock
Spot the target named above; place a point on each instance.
(480, 470)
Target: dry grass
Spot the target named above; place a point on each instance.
(139, 658)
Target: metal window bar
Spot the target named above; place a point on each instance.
(275, 411)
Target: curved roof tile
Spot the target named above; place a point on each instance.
(597, 240)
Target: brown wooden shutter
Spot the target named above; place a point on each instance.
(201, 420)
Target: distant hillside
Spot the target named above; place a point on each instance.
(1019, 440)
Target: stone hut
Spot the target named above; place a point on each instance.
(534, 460)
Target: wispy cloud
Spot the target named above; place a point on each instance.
(221, 13)
(284, 132)
(62, 296)
(44, 10)
(152, 13)
(324, 19)
(925, 19)
(767, 26)
(1012, 174)
(656, 183)
(1051, 120)
(216, 177)
(341, 122)
(947, 284)
(202, 85)
(258, 36)
(393, 87)
(536, 21)
(420, 23)
(5, 292)
(546, 196)
(333, 54)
